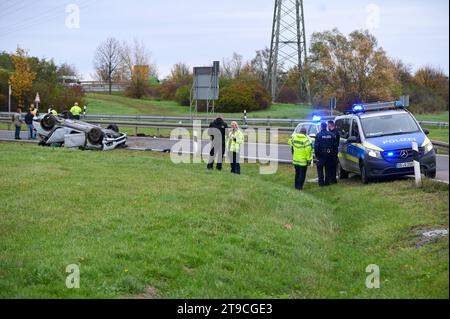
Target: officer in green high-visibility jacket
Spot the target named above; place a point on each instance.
(76, 111)
(302, 153)
(234, 140)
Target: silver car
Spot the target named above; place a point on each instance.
(57, 130)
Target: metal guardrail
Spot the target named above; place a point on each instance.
(173, 122)
(267, 121)
(177, 119)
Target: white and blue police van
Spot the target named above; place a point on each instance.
(377, 141)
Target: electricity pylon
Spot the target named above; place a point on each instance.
(288, 47)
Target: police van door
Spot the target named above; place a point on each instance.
(354, 148)
(343, 126)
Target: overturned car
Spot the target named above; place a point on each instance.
(57, 130)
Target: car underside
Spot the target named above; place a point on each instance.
(59, 131)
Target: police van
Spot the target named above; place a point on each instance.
(377, 141)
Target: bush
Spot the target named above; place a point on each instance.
(288, 95)
(183, 95)
(137, 89)
(240, 96)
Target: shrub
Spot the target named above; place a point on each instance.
(288, 95)
(183, 95)
(137, 89)
(240, 96)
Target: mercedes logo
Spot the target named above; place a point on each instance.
(404, 154)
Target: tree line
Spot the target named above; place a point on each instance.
(30, 75)
(352, 68)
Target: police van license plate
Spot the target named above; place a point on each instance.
(405, 165)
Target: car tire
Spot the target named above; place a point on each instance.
(430, 174)
(342, 173)
(48, 122)
(113, 127)
(364, 179)
(95, 136)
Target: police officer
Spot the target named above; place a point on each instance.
(234, 141)
(218, 126)
(76, 111)
(323, 148)
(335, 151)
(302, 156)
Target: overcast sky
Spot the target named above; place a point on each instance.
(199, 31)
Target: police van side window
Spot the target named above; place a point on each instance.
(355, 128)
(343, 126)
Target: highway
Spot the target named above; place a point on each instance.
(252, 152)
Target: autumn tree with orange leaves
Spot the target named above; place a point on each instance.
(22, 79)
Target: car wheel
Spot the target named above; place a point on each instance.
(113, 127)
(430, 174)
(364, 179)
(95, 136)
(342, 174)
(48, 122)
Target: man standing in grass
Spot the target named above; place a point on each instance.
(218, 126)
(302, 156)
(17, 121)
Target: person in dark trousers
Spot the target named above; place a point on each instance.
(217, 131)
(29, 122)
(301, 156)
(335, 151)
(323, 148)
(234, 141)
(17, 121)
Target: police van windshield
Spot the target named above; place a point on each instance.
(394, 124)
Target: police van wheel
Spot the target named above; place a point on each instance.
(364, 179)
(342, 174)
(430, 174)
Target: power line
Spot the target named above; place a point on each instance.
(34, 20)
(13, 8)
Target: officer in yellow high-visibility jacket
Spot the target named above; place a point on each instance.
(234, 140)
(302, 153)
(76, 111)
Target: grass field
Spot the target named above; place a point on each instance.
(113, 104)
(140, 226)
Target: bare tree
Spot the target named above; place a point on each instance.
(137, 55)
(232, 69)
(180, 72)
(108, 61)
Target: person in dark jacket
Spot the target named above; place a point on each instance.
(217, 131)
(29, 122)
(335, 151)
(323, 148)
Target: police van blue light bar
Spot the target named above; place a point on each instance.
(379, 106)
(358, 108)
(317, 118)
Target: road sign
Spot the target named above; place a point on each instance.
(37, 99)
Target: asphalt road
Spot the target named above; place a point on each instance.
(252, 152)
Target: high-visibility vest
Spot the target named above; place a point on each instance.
(303, 150)
(234, 141)
(54, 112)
(76, 110)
